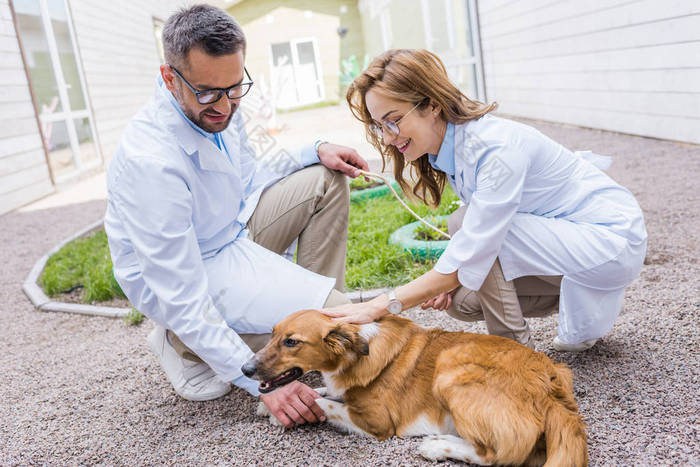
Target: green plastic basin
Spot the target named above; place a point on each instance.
(422, 249)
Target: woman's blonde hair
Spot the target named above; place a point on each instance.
(416, 77)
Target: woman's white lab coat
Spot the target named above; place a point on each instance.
(543, 210)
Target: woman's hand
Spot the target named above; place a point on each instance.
(357, 313)
(442, 302)
(410, 295)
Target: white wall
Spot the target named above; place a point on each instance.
(24, 173)
(621, 65)
(120, 58)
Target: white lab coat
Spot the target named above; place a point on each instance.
(544, 210)
(176, 219)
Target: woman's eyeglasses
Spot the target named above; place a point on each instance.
(209, 96)
(392, 128)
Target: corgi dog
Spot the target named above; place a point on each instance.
(477, 398)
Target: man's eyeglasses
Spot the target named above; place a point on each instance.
(209, 96)
(392, 128)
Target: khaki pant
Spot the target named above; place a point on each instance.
(502, 304)
(312, 205)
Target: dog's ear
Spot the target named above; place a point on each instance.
(343, 337)
(361, 345)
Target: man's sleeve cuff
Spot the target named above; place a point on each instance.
(248, 384)
(309, 155)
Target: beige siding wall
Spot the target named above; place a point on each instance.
(120, 58)
(618, 65)
(266, 22)
(24, 174)
(322, 27)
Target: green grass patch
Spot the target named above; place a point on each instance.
(371, 261)
(84, 262)
(359, 183)
(134, 317)
(423, 232)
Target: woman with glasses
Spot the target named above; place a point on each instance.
(534, 209)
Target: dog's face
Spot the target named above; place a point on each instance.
(306, 340)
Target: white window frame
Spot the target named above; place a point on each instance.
(475, 59)
(476, 42)
(385, 26)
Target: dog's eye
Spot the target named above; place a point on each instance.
(289, 342)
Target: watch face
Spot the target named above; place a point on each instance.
(395, 307)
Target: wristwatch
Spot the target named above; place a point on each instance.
(395, 306)
(317, 144)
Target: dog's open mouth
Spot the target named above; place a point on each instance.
(285, 378)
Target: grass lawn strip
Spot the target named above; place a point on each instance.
(83, 263)
(84, 266)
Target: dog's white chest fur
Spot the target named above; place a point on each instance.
(332, 389)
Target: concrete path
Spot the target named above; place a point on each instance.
(84, 390)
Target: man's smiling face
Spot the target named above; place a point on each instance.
(204, 72)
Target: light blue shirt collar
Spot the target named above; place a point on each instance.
(445, 159)
(213, 137)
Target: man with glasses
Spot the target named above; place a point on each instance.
(196, 222)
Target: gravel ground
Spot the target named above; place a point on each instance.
(84, 390)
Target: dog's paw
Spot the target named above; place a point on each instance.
(442, 447)
(274, 422)
(434, 449)
(263, 411)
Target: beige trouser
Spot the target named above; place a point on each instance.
(503, 304)
(311, 205)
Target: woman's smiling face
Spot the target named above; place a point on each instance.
(420, 132)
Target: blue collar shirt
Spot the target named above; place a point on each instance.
(444, 161)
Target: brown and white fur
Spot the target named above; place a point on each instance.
(484, 399)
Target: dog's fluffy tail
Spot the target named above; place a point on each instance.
(564, 430)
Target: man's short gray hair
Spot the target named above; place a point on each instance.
(211, 29)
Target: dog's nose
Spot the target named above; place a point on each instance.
(249, 368)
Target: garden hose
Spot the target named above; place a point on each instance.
(396, 195)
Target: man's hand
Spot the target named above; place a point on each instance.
(342, 158)
(294, 404)
(441, 302)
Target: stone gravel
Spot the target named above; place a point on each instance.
(84, 390)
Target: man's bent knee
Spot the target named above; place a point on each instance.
(338, 180)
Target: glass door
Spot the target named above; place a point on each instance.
(53, 61)
(284, 84)
(296, 73)
(309, 85)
